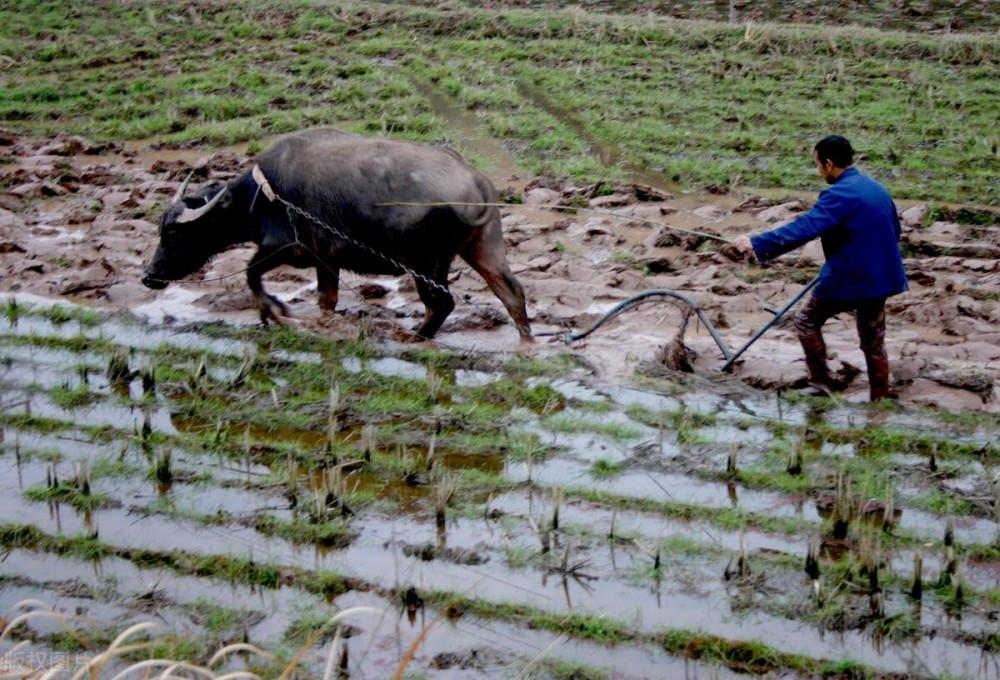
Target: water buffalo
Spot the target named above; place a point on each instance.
(348, 190)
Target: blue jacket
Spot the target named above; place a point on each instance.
(856, 221)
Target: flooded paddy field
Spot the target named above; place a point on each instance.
(549, 511)
(243, 484)
(331, 499)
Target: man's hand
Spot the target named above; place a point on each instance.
(739, 250)
(743, 245)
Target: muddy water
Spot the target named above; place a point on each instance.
(707, 607)
(377, 556)
(120, 594)
(48, 368)
(377, 642)
(128, 332)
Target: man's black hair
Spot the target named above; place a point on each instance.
(837, 149)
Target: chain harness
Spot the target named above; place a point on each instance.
(265, 188)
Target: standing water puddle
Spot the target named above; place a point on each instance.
(490, 547)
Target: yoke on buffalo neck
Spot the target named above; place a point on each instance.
(263, 186)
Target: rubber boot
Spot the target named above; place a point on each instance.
(878, 373)
(871, 332)
(815, 351)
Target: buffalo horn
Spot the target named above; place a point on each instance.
(192, 214)
(180, 192)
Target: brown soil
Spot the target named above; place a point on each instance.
(78, 222)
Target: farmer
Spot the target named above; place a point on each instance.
(856, 221)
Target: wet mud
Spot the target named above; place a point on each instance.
(78, 222)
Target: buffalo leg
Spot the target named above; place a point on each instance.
(328, 283)
(271, 308)
(486, 256)
(437, 301)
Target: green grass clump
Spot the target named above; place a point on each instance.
(61, 314)
(605, 469)
(69, 398)
(574, 424)
(69, 493)
(328, 533)
(215, 619)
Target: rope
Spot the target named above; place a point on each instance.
(238, 271)
(568, 337)
(553, 206)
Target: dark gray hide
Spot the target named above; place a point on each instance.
(342, 179)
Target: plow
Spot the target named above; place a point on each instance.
(691, 307)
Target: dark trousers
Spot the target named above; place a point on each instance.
(870, 313)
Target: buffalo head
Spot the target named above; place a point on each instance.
(192, 231)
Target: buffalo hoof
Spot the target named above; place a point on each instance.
(400, 334)
(278, 320)
(273, 309)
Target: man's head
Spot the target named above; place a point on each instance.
(833, 154)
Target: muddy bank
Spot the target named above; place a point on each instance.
(78, 221)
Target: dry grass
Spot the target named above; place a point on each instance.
(101, 664)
